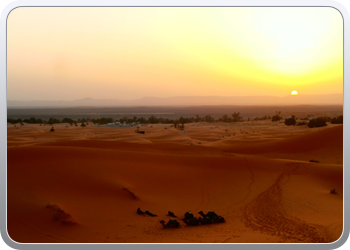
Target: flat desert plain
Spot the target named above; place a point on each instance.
(84, 185)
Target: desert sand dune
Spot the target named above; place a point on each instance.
(265, 187)
(327, 144)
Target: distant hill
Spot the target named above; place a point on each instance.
(331, 99)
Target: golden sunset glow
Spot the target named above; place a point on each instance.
(294, 92)
(133, 52)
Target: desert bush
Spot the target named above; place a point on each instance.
(337, 120)
(317, 122)
(236, 117)
(333, 191)
(13, 121)
(290, 121)
(312, 160)
(67, 120)
(33, 120)
(276, 117)
(52, 121)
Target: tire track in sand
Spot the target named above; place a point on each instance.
(266, 214)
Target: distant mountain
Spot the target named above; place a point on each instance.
(330, 99)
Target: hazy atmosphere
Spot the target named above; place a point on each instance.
(130, 53)
(175, 125)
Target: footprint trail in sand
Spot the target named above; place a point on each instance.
(265, 213)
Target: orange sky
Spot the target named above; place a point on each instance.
(128, 53)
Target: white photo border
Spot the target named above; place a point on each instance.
(172, 3)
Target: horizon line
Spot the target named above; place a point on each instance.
(92, 98)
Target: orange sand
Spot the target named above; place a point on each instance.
(255, 174)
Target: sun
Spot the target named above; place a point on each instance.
(294, 92)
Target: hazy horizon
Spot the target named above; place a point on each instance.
(143, 97)
(327, 99)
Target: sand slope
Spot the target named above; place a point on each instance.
(265, 186)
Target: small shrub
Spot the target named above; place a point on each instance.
(290, 121)
(317, 122)
(52, 130)
(275, 118)
(338, 120)
(312, 160)
(333, 191)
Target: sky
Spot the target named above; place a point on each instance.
(68, 53)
